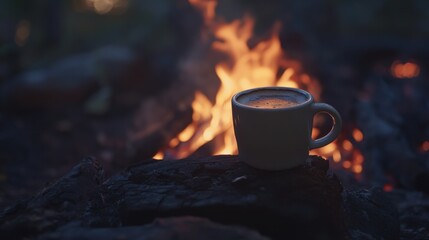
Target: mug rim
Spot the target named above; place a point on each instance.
(309, 99)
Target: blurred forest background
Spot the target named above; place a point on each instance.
(36, 33)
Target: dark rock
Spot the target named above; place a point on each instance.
(413, 208)
(370, 215)
(186, 227)
(301, 203)
(55, 205)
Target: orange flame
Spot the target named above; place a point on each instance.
(262, 65)
(252, 67)
(158, 156)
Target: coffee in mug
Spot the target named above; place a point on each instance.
(273, 126)
(271, 99)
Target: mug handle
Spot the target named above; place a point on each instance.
(336, 128)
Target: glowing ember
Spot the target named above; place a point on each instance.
(347, 164)
(357, 168)
(357, 162)
(358, 135)
(347, 145)
(405, 70)
(388, 187)
(336, 156)
(425, 146)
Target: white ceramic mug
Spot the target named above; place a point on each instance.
(278, 137)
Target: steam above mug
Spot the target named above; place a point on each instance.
(273, 126)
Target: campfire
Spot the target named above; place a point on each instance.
(244, 67)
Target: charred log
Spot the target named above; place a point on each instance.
(165, 228)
